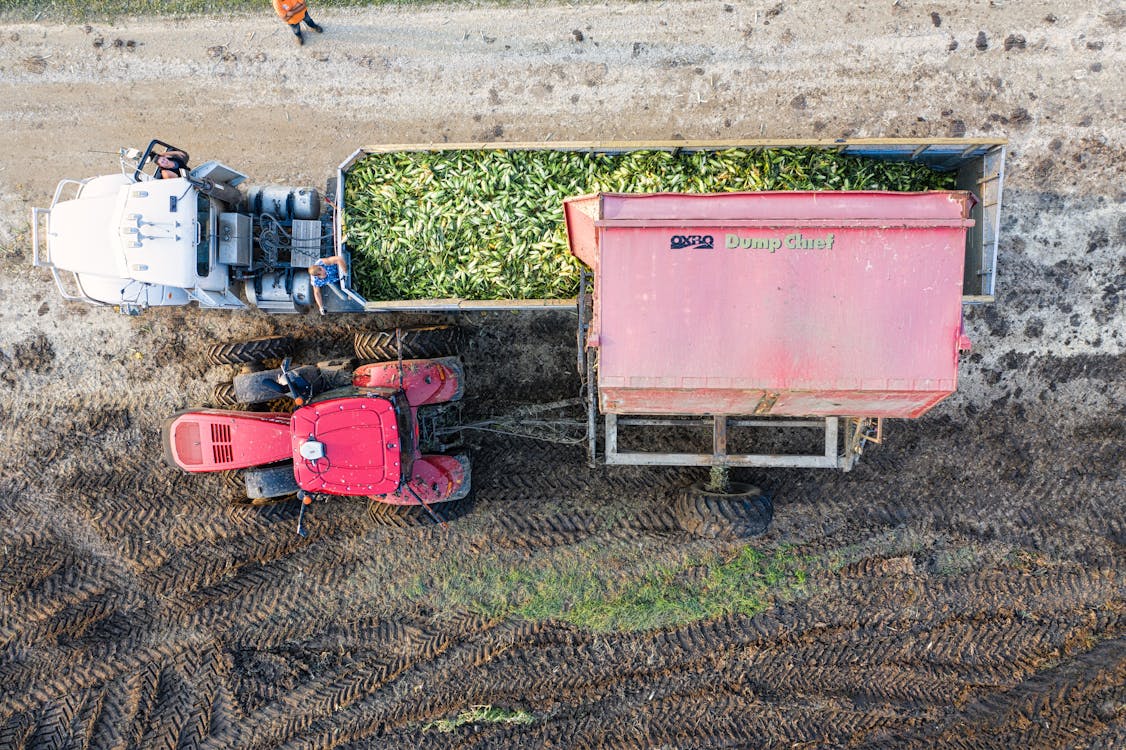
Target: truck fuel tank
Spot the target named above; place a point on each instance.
(280, 291)
(283, 202)
(235, 239)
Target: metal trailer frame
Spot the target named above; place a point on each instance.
(979, 163)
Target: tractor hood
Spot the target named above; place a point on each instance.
(349, 446)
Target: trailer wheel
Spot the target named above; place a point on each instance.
(410, 516)
(418, 343)
(741, 512)
(246, 352)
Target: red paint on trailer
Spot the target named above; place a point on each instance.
(800, 304)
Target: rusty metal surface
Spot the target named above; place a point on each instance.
(784, 304)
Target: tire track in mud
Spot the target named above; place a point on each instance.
(1066, 705)
(176, 620)
(540, 496)
(702, 659)
(737, 665)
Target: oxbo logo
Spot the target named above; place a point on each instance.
(693, 241)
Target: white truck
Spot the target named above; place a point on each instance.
(133, 241)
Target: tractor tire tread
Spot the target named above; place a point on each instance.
(430, 342)
(245, 352)
(412, 516)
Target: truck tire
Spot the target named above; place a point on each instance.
(410, 516)
(743, 511)
(430, 342)
(245, 352)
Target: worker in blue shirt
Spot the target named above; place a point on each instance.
(327, 271)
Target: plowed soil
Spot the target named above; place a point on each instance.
(964, 584)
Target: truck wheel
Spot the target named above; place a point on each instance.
(409, 516)
(418, 343)
(741, 512)
(244, 352)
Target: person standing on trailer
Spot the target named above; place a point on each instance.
(294, 12)
(324, 272)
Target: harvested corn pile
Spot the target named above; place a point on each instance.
(488, 225)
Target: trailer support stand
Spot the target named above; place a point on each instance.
(719, 425)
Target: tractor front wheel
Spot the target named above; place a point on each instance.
(430, 342)
(743, 511)
(247, 352)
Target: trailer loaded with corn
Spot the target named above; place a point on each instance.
(736, 291)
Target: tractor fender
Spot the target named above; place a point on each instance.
(425, 381)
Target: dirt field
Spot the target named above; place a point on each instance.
(963, 587)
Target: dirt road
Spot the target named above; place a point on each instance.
(964, 585)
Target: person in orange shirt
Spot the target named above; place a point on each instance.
(294, 12)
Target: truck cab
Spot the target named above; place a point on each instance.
(133, 241)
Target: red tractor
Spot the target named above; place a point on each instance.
(370, 434)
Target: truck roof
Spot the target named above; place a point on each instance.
(116, 228)
(783, 303)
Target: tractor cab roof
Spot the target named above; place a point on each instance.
(353, 445)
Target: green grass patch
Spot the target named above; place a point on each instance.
(488, 224)
(481, 715)
(605, 591)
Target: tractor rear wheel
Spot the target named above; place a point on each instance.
(408, 516)
(430, 342)
(245, 352)
(223, 396)
(741, 512)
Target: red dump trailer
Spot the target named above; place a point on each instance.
(767, 311)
